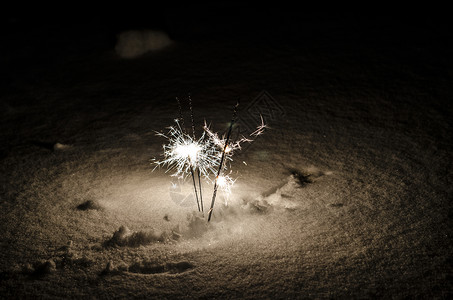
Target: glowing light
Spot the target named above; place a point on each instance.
(221, 181)
(188, 151)
(225, 182)
(182, 152)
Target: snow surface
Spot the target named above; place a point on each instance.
(347, 195)
(134, 43)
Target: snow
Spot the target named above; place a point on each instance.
(134, 43)
(346, 196)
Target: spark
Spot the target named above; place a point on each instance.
(219, 143)
(260, 128)
(190, 151)
(232, 146)
(225, 182)
(182, 152)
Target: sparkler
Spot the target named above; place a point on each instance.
(191, 150)
(184, 153)
(198, 170)
(219, 172)
(207, 156)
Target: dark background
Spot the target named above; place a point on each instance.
(67, 27)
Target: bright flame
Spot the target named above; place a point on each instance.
(221, 181)
(190, 150)
(182, 152)
(225, 183)
(228, 149)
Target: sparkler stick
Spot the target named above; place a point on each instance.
(198, 170)
(222, 160)
(190, 162)
(181, 117)
(195, 187)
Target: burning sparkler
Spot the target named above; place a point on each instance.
(187, 155)
(198, 170)
(207, 156)
(222, 161)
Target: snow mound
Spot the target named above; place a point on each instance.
(280, 197)
(46, 267)
(125, 237)
(51, 146)
(90, 205)
(40, 268)
(61, 147)
(196, 226)
(134, 43)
